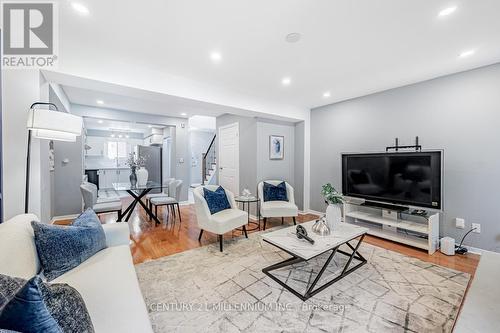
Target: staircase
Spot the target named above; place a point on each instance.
(209, 163)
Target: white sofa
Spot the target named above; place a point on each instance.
(107, 281)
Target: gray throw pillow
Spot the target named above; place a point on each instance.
(37, 306)
(9, 286)
(62, 248)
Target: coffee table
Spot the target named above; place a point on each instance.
(301, 250)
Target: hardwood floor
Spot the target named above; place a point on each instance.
(151, 242)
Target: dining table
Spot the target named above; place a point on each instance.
(137, 192)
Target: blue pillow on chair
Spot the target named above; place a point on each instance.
(216, 200)
(62, 248)
(275, 193)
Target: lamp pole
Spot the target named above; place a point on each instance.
(28, 157)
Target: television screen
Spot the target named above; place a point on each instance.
(409, 178)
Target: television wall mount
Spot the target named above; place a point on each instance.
(397, 147)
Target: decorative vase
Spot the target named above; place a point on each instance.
(133, 177)
(320, 227)
(142, 177)
(333, 215)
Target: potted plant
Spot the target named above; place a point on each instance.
(334, 201)
(138, 174)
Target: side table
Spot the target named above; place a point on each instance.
(247, 201)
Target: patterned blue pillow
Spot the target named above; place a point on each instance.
(62, 248)
(275, 193)
(41, 307)
(216, 200)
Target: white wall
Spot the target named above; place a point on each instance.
(20, 88)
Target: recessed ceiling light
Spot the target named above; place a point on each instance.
(293, 37)
(112, 135)
(119, 135)
(100, 102)
(326, 94)
(447, 11)
(215, 56)
(80, 8)
(127, 136)
(100, 121)
(286, 81)
(467, 53)
(183, 114)
(150, 126)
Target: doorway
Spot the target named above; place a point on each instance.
(229, 157)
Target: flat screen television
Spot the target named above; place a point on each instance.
(402, 178)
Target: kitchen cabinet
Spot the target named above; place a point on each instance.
(124, 175)
(109, 176)
(96, 146)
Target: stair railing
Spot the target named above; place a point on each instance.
(208, 161)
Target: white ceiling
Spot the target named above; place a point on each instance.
(348, 47)
(118, 126)
(146, 104)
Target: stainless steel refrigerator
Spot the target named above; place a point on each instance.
(153, 157)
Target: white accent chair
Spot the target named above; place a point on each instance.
(277, 208)
(90, 200)
(174, 188)
(220, 222)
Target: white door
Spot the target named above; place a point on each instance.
(229, 158)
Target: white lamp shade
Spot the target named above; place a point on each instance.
(54, 125)
(53, 135)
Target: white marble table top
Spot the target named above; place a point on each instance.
(286, 239)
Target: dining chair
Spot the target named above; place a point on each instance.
(90, 200)
(169, 201)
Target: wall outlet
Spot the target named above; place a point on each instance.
(459, 223)
(478, 228)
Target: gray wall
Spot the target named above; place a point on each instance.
(248, 148)
(458, 113)
(255, 164)
(275, 169)
(299, 164)
(66, 178)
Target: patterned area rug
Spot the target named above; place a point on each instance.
(203, 290)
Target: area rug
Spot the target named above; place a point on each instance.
(203, 290)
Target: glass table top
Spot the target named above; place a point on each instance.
(246, 199)
(128, 186)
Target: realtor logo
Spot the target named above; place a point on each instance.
(29, 34)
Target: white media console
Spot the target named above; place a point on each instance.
(414, 230)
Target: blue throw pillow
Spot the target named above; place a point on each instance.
(216, 200)
(275, 193)
(40, 307)
(62, 248)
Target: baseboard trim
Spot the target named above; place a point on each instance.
(63, 217)
(310, 211)
(476, 250)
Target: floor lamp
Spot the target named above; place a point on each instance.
(49, 124)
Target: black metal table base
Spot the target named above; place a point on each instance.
(137, 199)
(256, 225)
(311, 290)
